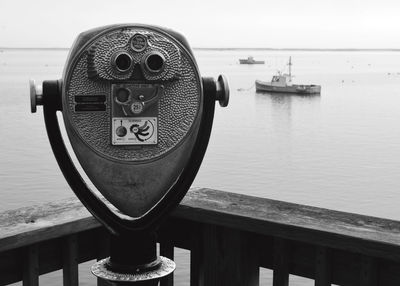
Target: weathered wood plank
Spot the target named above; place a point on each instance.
(237, 262)
(31, 266)
(281, 262)
(322, 266)
(41, 222)
(11, 269)
(363, 234)
(70, 261)
(368, 272)
(388, 273)
(196, 263)
(196, 256)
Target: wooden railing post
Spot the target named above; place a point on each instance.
(368, 271)
(70, 261)
(227, 257)
(31, 266)
(281, 262)
(322, 266)
(196, 257)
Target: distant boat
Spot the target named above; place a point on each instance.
(283, 83)
(250, 61)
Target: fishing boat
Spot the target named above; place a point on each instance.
(250, 61)
(283, 83)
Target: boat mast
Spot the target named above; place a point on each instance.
(290, 68)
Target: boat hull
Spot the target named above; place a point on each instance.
(249, 62)
(295, 88)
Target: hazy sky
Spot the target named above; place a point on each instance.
(226, 23)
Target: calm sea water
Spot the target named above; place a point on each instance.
(339, 150)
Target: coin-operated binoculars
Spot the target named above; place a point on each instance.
(138, 116)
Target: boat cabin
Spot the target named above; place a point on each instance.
(281, 80)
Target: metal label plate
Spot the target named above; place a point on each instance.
(134, 131)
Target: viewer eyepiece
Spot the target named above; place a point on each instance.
(154, 62)
(122, 61)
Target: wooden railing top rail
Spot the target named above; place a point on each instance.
(37, 223)
(357, 233)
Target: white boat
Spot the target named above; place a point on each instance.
(250, 61)
(283, 83)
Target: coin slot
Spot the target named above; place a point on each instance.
(123, 95)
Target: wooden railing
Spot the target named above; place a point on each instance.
(229, 236)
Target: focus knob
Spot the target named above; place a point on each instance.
(36, 95)
(222, 91)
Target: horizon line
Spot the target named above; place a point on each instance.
(239, 49)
